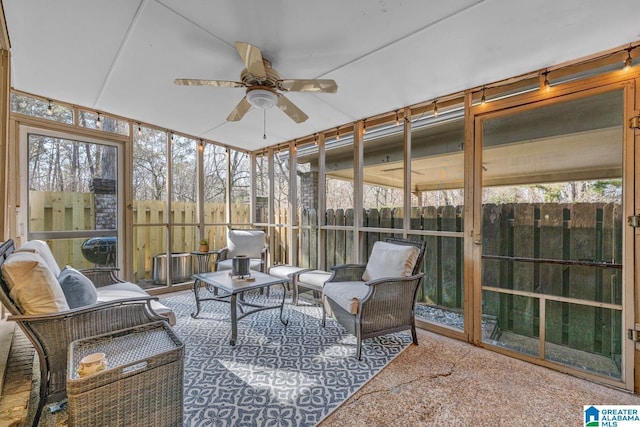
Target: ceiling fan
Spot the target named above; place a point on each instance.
(264, 85)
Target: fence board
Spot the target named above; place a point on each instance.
(349, 244)
(305, 239)
(524, 312)
(374, 220)
(279, 252)
(581, 319)
(415, 222)
(313, 240)
(340, 236)
(58, 212)
(217, 235)
(448, 260)
(330, 247)
(397, 216)
(506, 268)
(431, 288)
(37, 210)
(491, 245)
(386, 221)
(551, 276)
(178, 233)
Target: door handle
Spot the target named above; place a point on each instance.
(477, 242)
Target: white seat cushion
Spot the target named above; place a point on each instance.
(126, 290)
(41, 248)
(390, 260)
(313, 279)
(346, 294)
(284, 271)
(32, 285)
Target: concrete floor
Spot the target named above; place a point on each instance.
(440, 382)
(445, 382)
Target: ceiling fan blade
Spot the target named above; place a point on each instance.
(252, 58)
(292, 85)
(240, 110)
(289, 108)
(216, 83)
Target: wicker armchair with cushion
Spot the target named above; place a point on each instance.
(251, 243)
(377, 298)
(55, 307)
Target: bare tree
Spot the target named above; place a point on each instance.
(150, 165)
(183, 170)
(215, 173)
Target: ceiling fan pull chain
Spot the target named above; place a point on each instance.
(264, 125)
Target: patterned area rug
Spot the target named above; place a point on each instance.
(274, 375)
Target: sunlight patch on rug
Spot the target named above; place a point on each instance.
(275, 375)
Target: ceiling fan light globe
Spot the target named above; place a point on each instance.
(261, 98)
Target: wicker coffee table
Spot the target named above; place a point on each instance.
(231, 287)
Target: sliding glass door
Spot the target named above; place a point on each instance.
(555, 285)
(73, 197)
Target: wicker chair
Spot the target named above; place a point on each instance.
(250, 243)
(376, 307)
(51, 334)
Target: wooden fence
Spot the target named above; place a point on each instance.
(565, 250)
(150, 241)
(63, 211)
(68, 211)
(442, 263)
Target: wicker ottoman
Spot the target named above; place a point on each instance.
(312, 280)
(143, 382)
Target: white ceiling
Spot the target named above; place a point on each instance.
(121, 56)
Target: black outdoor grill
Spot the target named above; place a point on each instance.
(100, 250)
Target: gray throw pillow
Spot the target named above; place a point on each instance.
(78, 289)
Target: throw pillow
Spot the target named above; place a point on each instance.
(32, 285)
(78, 289)
(41, 248)
(390, 260)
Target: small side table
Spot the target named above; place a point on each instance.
(204, 259)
